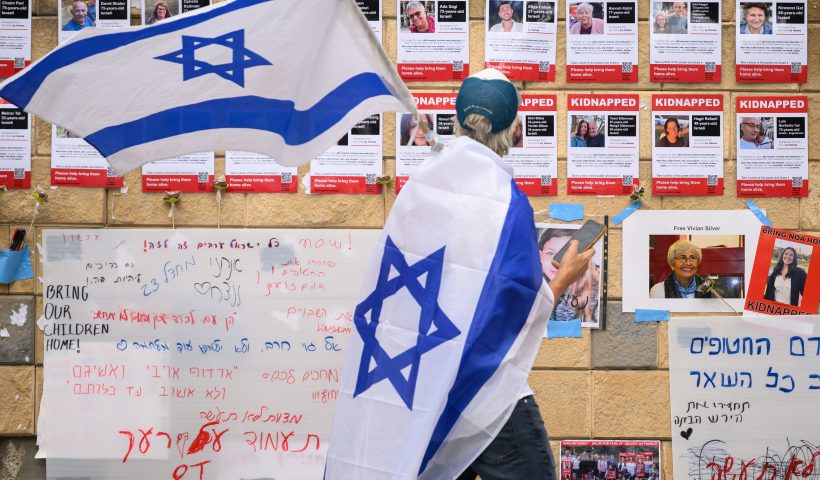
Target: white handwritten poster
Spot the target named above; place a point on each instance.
(744, 398)
(191, 354)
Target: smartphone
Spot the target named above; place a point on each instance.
(589, 233)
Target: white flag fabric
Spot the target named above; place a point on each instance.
(453, 312)
(285, 79)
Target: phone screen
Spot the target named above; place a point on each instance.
(587, 235)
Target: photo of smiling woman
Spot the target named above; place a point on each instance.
(787, 280)
(674, 132)
(684, 257)
(696, 266)
(581, 301)
(161, 11)
(755, 19)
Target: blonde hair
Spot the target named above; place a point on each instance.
(479, 128)
(681, 246)
(584, 288)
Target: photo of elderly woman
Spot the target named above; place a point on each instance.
(696, 266)
(586, 18)
(788, 272)
(754, 19)
(409, 126)
(582, 300)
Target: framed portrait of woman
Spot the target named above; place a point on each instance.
(585, 299)
(688, 260)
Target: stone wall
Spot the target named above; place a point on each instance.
(608, 384)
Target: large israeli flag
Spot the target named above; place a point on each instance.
(452, 316)
(282, 78)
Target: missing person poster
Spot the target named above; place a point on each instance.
(602, 41)
(687, 144)
(770, 41)
(438, 111)
(744, 398)
(786, 274)
(249, 172)
(15, 36)
(602, 144)
(75, 15)
(351, 166)
(685, 41)
(187, 173)
(520, 39)
(772, 146)
(372, 11)
(610, 459)
(15, 147)
(75, 163)
(534, 153)
(433, 40)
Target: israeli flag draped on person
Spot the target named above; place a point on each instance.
(285, 79)
(454, 310)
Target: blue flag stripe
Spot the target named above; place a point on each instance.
(23, 89)
(506, 300)
(278, 116)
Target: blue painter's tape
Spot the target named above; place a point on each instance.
(629, 210)
(15, 265)
(758, 213)
(570, 329)
(647, 315)
(567, 211)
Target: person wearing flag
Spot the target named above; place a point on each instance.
(435, 384)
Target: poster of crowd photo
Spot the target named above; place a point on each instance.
(688, 261)
(610, 459)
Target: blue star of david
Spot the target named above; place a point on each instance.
(234, 71)
(431, 315)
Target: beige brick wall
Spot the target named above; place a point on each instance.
(577, 401)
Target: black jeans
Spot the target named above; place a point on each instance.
(521, 450)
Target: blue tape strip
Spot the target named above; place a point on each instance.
(567, 211)
(570, 329)
(647, 315)
(15, 265)
(758, 213)
(629, 210)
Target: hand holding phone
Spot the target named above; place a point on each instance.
(589, 233)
